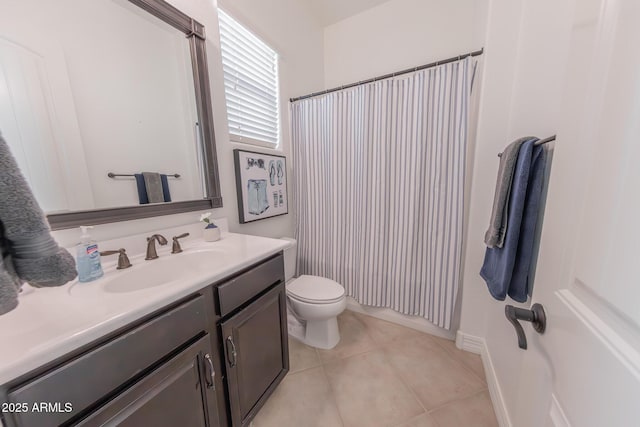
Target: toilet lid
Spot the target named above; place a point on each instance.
(315, 289)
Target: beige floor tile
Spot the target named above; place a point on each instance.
(302, 399)
(353, 339)
(301, 356)
(476, 411)
(434, 376)
(384, 332)
(473, 362)
(470, 360)
(369, 393)
(424, 420)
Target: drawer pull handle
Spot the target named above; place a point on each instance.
(212, 375)
(234, 354)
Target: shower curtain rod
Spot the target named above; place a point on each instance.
(387, 76)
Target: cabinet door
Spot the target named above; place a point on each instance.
(180, 392)
(256, 353)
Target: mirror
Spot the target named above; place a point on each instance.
(106, 107)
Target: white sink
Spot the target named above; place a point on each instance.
(158, 272)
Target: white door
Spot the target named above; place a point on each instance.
(37, 113)
(585, 369)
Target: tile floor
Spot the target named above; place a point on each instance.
(380, 374)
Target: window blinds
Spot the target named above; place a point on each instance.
(251, 84)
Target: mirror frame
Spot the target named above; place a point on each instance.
(194, 31)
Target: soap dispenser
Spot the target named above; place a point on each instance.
(88, 257)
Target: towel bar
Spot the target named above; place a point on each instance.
(539, 142)
(114, 175)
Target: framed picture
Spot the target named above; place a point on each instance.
(261, 185)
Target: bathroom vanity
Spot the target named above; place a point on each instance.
(197, 338)
(207, 350)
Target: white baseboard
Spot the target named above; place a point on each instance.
(413, 322)
(469, 343)
(478, 345)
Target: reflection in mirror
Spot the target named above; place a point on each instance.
(89, 89)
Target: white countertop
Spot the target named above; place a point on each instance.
(50, 322)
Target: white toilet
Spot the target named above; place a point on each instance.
(314, 304)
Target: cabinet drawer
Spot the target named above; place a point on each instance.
(97, 373)
(237, 291)
(170, 396)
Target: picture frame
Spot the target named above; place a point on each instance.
(261, 185)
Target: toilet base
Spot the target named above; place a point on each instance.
(323, 334)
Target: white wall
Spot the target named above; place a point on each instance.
(526, 44)
(401, 34)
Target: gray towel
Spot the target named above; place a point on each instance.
(36, 257)
(9, 282)
(153, 182)
(8, 291)
(494, 237)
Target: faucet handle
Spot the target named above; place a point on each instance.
(123, 259)
(176, 249)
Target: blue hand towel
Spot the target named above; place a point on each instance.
(165, 188)
(506, 270)
(142, 189)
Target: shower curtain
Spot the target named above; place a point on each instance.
(379, 188)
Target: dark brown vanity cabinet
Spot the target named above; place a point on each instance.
(158, 371)
(255, 345)
(211, 359)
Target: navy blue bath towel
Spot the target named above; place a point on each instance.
(507, 270)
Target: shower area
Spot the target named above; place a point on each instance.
(379, 186)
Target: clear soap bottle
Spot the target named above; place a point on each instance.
(88, 257)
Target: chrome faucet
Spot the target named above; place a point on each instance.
(123, 259)
(151, 245)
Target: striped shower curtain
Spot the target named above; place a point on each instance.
(379, 188)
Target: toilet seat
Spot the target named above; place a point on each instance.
(315, 290)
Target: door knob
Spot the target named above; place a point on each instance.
(536, 316)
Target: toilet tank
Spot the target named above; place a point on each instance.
(290, 258)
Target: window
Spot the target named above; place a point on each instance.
(250, 83)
